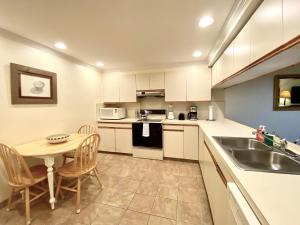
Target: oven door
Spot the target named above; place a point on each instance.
(155, 138)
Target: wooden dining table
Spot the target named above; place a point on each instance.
(44, 150)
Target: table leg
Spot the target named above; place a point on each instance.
(49, 162)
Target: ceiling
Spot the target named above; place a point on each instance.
(123, 34)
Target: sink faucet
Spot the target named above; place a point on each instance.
(282, 144)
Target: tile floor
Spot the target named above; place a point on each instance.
(137, 192)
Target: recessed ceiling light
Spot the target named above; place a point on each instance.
(60, 45)
(197, 54)
(206, 21)
(100, 64)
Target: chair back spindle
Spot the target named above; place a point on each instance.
(87, 129)
(86, 153)
(17, 169)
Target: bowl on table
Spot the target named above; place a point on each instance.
(57, 138)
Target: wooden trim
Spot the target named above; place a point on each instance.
(180, 124)
(176, 130)
(106, 127)
(16, 98)
(124, 128)
(223, 178)
(264, 58)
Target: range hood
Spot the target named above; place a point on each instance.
(151, 93)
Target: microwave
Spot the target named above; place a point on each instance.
(112, 113)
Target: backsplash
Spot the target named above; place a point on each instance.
(179, 107)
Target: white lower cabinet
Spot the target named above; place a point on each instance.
(216, 191)
(115, 137)
(181, 142)
(190, 139)
(123, 140)
(173, 143)
(107, 139)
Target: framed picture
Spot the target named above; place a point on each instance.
(32, 86)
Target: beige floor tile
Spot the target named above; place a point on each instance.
(155, 220)
(134, 218)
(191, 195)
(116, 198)
(127, 185)
(108, 215)
(190, 182)
(147, 188)
(142, 203)
(189, 213)
(168, 191)
(165, 207)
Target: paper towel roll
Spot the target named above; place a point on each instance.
(210, 112)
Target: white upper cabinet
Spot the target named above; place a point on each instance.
(175, 86)
(157, 81)
(291, 19)
(111, 92)
(228, 62)
(150, 81)
(242, 49)
(214, 74)
(127, 88)
(221, 69)
(142, 81)
(266, 28)
(198, 84)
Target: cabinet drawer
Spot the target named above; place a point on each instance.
(173, 127)
(115, 125)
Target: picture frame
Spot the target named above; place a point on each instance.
(32, 86)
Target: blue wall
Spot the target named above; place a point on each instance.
(251, 103)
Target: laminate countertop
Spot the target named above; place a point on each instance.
(165, 121)
(273, 197)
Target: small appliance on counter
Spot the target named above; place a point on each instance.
(171, 115)
(181, 116)
(211, 113)
(112, 113)
(192, 115)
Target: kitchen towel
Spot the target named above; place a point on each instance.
(146, 130)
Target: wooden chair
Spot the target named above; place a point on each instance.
(85, 161)
(85, 129)
(21, 177)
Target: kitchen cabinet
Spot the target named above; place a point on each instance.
(190, 137)
(175, 86)
(228, 62)
(127, 88)
(291, 18)
(157, 81)
(201, 147)
(111, 91)
(150, 81)
(198, 84)
(107, 142)
(173, 142)
(214, 74)
(221, 69)
(188, 84)
(266, 28)
(123, 140)
(142, 81)
(115, 137)
(216, 191)
(242, 49)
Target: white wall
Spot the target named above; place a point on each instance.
(78, 89)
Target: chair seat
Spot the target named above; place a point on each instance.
(69, 170)
(39, 173)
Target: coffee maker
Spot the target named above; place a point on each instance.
(192, 115)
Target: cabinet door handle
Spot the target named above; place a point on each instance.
(223, 178)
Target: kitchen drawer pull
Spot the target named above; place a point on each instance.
(172, 130)
(223, 178)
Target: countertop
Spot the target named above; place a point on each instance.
(273, 197)
(165, 121)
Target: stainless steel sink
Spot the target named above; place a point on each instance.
(248, 154)
(241, 143)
